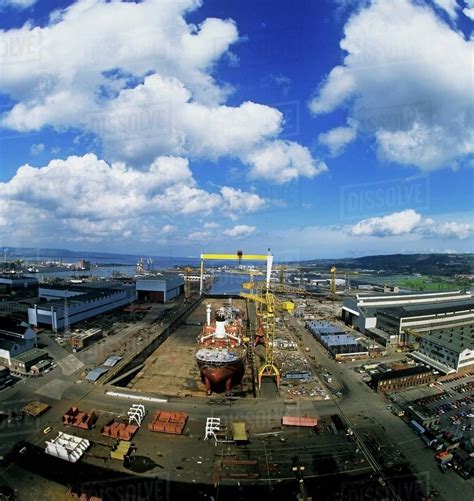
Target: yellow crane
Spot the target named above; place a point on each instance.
(281, 274)
(333, 281)
(266, 303)
(239, 256)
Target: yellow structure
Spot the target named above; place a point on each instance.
(239, 256)
(121, 451)
(267, 313)
(333, 281)
(239, 432)
(281, 274)
(288, 306)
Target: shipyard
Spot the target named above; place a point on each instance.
(130, 396)
(236, 250)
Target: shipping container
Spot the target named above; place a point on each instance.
(416, 427)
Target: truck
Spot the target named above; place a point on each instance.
(397, 410)
(428, 438)
(444, 457)
(416, 427)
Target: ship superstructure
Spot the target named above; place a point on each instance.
(221, 352)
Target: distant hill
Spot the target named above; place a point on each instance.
(426, 264)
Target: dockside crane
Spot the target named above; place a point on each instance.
(266, 306)
(333, 282)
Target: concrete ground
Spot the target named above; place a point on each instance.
(191, 459)
(172, 370)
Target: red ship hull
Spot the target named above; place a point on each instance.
(222, 378)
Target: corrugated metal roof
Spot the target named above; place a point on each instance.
(111, 361)
(95, 374)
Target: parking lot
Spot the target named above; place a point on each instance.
(454, 406)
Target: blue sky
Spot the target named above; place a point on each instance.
(321, 128)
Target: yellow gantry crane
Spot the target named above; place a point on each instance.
(266, 303)
(240, 256)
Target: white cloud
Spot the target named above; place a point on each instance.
(240, 231)
(199, 236)
(88, 196)
(37, 149)
(283, 161)
(211, 226)
(140, 78)
(19, 4)
(449, 6)
(407, 81)
(168, 229)
(337, 139)
(448, 230)
(410, 222)
(468, 11)
(397, 223)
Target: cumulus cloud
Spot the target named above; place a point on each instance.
(449, 6)
(397, 223)
(86, 195)
(18, 4)
(142, 83)
(282, 161)
(337, 139)
(468, 11)
(397, 82)
(240, 231)
(410, 222)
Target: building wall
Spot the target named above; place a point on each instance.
(53, 315)
(400, 383)
(454, 359)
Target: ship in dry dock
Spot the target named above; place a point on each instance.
(221, 352)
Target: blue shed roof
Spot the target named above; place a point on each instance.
(95, 374)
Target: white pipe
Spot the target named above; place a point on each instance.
(208, 314)
(269, 268)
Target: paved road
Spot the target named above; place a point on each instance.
(366, 410)
(364, 406)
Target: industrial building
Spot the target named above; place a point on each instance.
(159, 289)
(77, 303)
(25, 361)
(335, 340)
(5, 377)
(81, 340)
(448, 350)
(21, 286)
(425, 317)
(401, 379)
(16, 337)
(385, 317)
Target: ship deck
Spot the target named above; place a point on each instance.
(171, 370)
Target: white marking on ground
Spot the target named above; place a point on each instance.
(136, 397)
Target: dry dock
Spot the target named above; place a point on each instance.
(171, 369)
